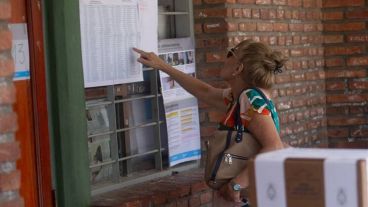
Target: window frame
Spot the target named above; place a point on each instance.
(68, 127)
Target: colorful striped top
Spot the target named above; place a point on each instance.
(251, 102)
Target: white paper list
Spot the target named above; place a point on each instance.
(109, 30)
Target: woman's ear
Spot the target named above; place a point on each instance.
(239, 69)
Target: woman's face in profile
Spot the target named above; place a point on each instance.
(230, 65)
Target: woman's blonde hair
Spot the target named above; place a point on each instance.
(260, 63)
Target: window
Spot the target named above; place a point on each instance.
(127, 136)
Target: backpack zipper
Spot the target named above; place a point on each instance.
(229, 158)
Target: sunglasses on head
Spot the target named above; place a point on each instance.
(231, 53)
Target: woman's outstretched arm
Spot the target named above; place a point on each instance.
(201, 90)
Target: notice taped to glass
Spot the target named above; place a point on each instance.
(181, 108)
(109, 31)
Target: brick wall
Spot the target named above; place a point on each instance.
(346, 56)
(180, 190)
(295, 28)
(9, 149)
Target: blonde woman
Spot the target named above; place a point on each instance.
(249, 64)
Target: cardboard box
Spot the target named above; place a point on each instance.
(297, 177)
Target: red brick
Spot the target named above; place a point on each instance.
(281, 27)
(6, 67)
(218, 1)
(361, 110)
(296, 52)
(16, 202)
(210, 43)
(309, 3)
(247, 13)
(208, 131)
(298, 77)
(280, 14)
(335, 85)
(348, 145)
(197, 2)
(209, 72)
(232, 27)
(283, 79)
(207, 13)
(279, 2)
(346, 121)
(9, 181)
(333, 39)
(237, 13)
(215, 116)
(347, 98)
(315, 75)
(265, 27)
(273, 40)
(272, 13)
(357, 61)
(217, 27)
(265, 13)
(247, 27)
(359, 85)
(7, 94)
(346, 74)
(317, 15)
(198, 28)
(215, 57)
(338, 132)
(296, 103)
(343, 50)
(310, 27)
(351, 26)
(295, 3)
(295, 14)
(263, 1)
(173, 204)
(5, 40)
(8, 122)
(9, 151)
(246, 1)
(5, 10)
(296, 27)
(361, 133)
(194, 201)
(159, 199)
(357, 38)
(341, 110)
(334, 15)
(342, 3)
(199, 187)
(182, 203)
(357, 14)
(256, 14)
(281, 40)
(206, 197)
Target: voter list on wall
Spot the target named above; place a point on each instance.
(181, 108)
(109, 31)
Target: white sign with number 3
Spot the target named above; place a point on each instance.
(20, 51)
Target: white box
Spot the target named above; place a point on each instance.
(297, 177)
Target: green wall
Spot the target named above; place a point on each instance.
(66, 103)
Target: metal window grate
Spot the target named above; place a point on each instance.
(115, 164)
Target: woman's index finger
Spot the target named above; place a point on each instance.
(139, 51)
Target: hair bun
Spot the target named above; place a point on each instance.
(279, 60)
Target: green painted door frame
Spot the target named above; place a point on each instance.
(67, 103)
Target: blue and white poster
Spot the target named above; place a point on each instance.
(181, 108)
(20, 51)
